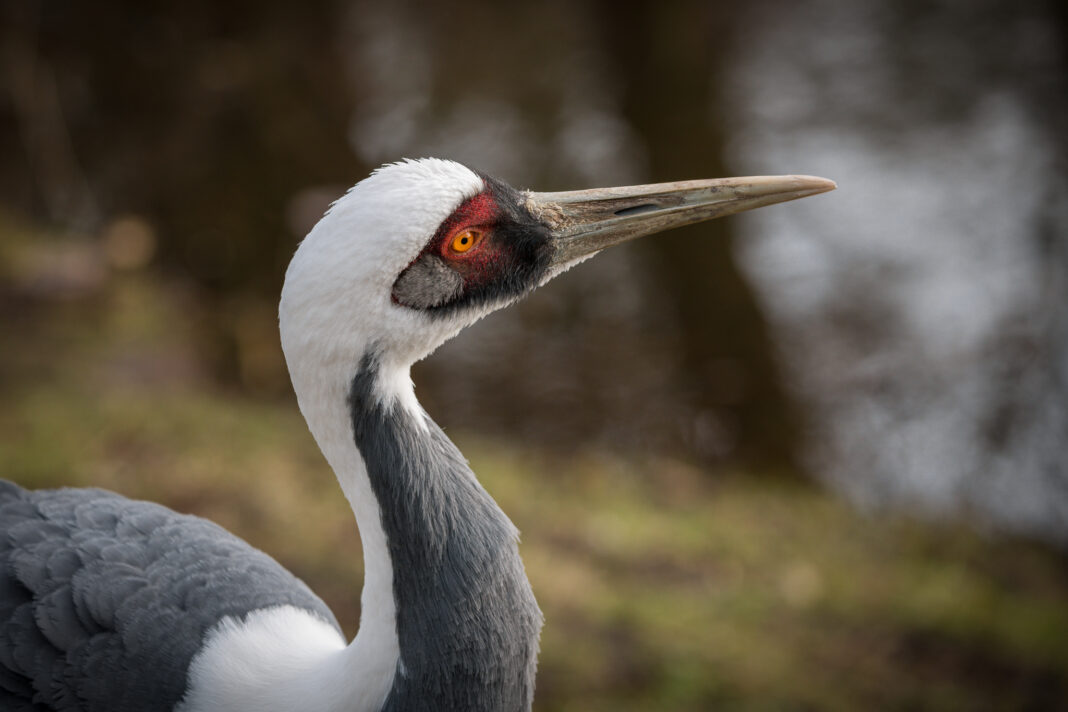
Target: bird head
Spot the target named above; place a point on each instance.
(420, 249)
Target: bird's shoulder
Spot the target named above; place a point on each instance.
(104, 600)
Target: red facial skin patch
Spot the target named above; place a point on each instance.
(489, 256)
(490, 249)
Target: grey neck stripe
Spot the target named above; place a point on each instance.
(467, 622)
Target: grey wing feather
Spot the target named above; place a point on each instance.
(104, 601)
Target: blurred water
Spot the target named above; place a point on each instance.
(922, 310)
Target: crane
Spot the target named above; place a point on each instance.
(110, 604)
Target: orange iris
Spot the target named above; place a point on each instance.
(465, 240)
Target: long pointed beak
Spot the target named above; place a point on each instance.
(583, 222)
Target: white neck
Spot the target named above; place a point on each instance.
(285, 659)
(370, 661)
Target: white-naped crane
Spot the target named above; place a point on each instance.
(114, 605)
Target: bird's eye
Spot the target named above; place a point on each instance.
(465, 240)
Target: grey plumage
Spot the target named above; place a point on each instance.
(428, 282)
(467, 621)
(105, 600)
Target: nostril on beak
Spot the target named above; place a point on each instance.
(635, 210)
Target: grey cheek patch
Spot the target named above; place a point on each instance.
(428, 282)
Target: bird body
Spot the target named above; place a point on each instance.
(111, 604)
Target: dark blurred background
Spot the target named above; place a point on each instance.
(902, 342)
